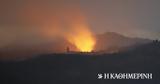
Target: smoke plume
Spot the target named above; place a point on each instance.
(31, 25)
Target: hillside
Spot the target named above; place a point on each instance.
(83, 68)
(108, 42)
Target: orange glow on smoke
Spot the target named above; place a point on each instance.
(82, 38)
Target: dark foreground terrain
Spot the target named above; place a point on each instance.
(83, 68)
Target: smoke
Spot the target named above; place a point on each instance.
(26, 24)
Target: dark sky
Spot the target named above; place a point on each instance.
(27, 21)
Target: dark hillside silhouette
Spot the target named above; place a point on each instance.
(83, 68)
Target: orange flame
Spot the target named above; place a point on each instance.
(82, 38)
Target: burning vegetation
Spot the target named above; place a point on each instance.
(83, 39)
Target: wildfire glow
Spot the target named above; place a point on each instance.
(82, 39)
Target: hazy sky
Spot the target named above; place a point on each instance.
(130, 17)
(23, 19)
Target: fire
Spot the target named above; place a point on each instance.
(83, 39)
